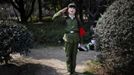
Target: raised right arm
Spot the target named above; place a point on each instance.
(59, 13)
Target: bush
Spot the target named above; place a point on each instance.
(116, 31)
(47, 33)
(14, 37)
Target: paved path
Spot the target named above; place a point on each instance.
(53, 59)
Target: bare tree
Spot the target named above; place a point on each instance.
(24, 7)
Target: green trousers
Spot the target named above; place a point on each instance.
(71, 52)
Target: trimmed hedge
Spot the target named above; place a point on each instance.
(116, 31)
(14, 37)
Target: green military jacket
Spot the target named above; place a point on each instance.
(71, 29)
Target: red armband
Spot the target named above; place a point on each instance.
(82, 32)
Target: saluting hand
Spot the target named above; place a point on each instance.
(63, 10)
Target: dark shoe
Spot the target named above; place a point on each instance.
(75, 73)
(70, 73)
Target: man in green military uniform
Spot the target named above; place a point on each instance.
(71, 36)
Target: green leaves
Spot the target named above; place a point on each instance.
(115, 29)
(14, 38)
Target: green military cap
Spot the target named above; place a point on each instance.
(72, 5)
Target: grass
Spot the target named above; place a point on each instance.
(92, 67)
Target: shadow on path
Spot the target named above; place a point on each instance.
(27, 69)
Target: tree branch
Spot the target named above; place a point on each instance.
(14, 4)
(31, 10)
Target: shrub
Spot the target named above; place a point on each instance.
(47, 33)
(92, 66)
(116, 31)
(14, 37)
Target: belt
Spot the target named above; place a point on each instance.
(72, 32)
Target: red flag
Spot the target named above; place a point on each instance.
(82, 32)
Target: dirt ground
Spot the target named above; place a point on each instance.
(45, 61)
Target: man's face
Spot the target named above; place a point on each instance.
(71, 11)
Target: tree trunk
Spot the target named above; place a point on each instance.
(23, 18)
(40, 10)
(25, 9)
(79, 4)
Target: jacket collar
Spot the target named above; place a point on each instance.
(71, 16)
